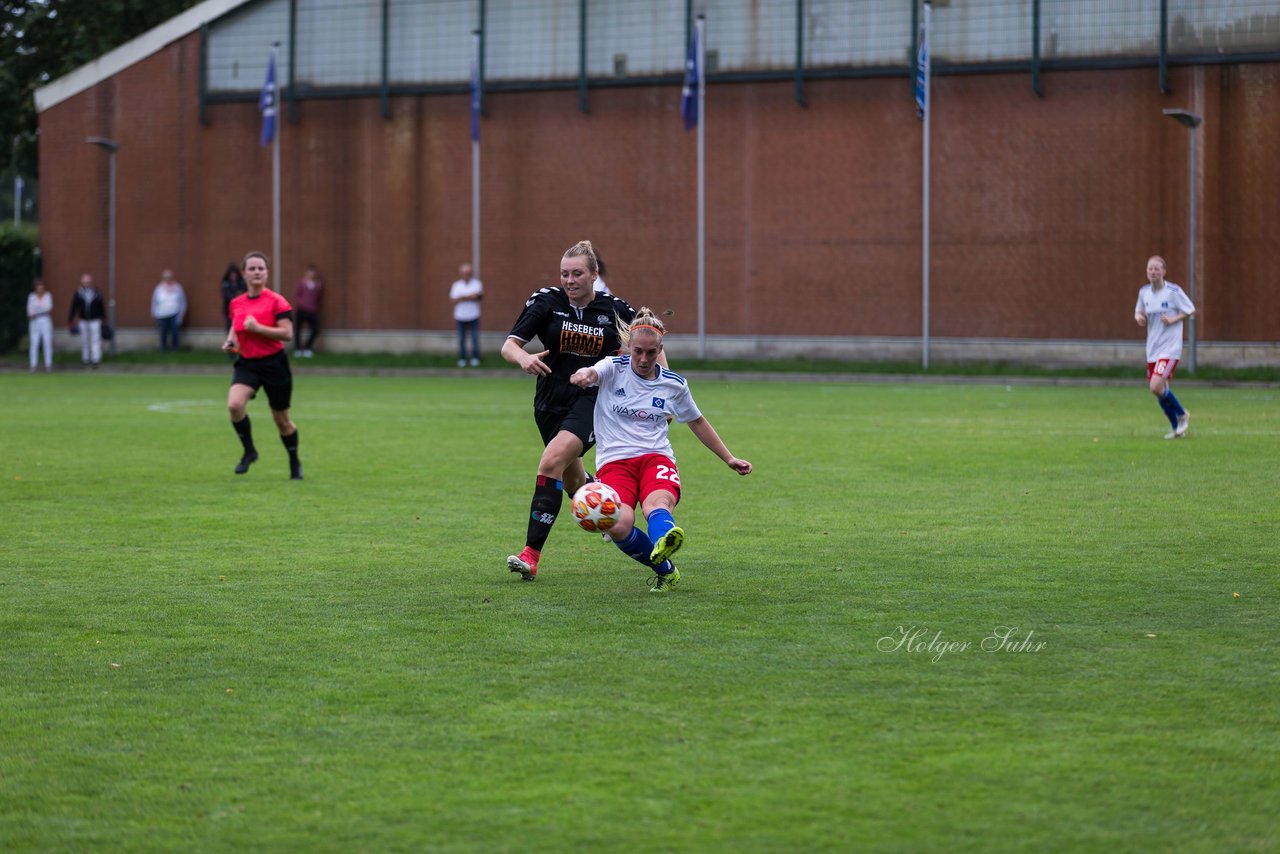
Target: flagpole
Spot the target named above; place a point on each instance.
(475, 153)
(275, 174)
(17, 186)
(699, 36)
(924, 62)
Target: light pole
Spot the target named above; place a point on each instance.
(1192, 122)
(111, 147)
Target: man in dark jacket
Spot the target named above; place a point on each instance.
(87, 312)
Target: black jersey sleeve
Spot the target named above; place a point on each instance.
(621, 308)
(532, 319)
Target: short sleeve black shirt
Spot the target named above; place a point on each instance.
(576, 338)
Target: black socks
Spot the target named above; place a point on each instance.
(548, 493)
(245, 431)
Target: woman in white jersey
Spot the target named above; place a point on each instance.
(633, 450)
(40, 324)
(1162, 306)
(600, 286)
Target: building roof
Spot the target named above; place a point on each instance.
(150, 42)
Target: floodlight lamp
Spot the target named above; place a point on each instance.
(1185, 117)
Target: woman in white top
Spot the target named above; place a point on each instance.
(1161, 308)
(600, 286)
(637, 400)
(40, 324)
(168, 308)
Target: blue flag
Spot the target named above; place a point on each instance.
(692, 74)
(922, 68)
(267, 102)
(475, 98)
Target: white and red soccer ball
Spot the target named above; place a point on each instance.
(596, 507)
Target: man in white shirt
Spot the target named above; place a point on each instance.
(1161, 308)
(466, 294)
(168, 309)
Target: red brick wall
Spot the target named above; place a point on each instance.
(1044, 209)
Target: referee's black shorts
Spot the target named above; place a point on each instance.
(271, 373)
(579, 420)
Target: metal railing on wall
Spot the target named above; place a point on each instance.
(784, 41)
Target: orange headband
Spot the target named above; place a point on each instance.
(646, 326)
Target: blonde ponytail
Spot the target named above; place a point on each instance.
(645, 318)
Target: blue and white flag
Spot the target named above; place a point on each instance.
(922, 67)
(475, 97)
(267, 102)
(692, 75)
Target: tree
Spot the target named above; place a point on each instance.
(41, 40)
(17, 268)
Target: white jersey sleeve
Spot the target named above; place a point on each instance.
(682, 405)
(1184, 302)
(604, 370)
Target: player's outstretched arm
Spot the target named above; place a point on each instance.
(585, 377)
(708, 436)
(531, 363)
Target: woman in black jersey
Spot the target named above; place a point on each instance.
(576, 327)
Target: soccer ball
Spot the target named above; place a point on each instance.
(596, 507)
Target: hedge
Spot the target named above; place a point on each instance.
(18, 260)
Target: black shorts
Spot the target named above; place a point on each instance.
(579, 420)
(270, 372)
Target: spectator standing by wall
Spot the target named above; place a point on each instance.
(466, 294)
(600, 285)
(40, 324)
(85, 318)
(233, 285)
(168, 309)
(306, 302)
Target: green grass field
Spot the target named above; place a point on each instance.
(191, 660)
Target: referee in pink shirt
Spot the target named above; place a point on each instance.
(261, 323)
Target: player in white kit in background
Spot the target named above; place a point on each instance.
(1162, 307)
(633, 450)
